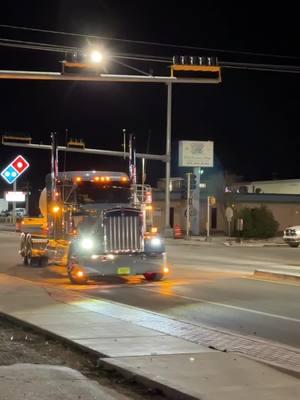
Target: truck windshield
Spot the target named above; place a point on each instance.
(91, 193)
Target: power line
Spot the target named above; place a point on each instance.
(149, 43)
(22, 44)
(144, 58)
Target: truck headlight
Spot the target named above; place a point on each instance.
(156, 242)
(87, 243)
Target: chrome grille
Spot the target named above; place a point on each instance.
(123, 232)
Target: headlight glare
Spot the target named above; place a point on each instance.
(87, 244)
(156, 242)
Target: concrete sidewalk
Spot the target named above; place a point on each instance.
(227, 241)
(48, 382)
(143, 344)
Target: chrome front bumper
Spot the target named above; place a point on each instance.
(135, 264)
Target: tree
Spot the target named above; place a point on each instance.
(259, 222)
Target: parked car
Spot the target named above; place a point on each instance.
(4, 213)
(20, 212)
(291, 235)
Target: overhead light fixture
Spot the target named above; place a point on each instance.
(96, 56)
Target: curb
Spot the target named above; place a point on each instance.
(168, 391)
(273, 275)
(3, 229)
(49, 334)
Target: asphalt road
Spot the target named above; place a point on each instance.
(209, 285)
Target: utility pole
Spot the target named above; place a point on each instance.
(208, 218)
(168, 231)
(188, 203)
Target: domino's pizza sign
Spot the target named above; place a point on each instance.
(15, 169)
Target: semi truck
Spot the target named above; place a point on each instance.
(95, 224)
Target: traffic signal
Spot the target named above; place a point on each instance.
(212, 200)
(185, 186)
(193, 181)
(196, 67)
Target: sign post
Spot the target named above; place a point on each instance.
(196, 154)
(14, 203)
(11, 173)
(229, 216)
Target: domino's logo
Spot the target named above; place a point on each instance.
(14, 169)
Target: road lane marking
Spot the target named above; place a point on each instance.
(225, 305)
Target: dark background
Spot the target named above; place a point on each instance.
(253, 117)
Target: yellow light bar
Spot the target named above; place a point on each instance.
(204, 68)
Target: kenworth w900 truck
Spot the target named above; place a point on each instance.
(94, 224)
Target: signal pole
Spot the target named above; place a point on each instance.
(196, 203)
(188, 202)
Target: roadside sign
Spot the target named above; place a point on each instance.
(196, 153)
(15, 196)
(15, 169)
(229, 214)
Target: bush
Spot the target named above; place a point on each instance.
(258, 223)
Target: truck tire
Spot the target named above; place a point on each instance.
(22, 245)
(71, 268)
(75, 280)
(153, 276)
(43, 261)
(28, 259)
(294, 244)
(27, 250)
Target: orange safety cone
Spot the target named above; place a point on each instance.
(178, 234)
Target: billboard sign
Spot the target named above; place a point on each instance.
(196, 153)
(15, 169)
(15, 196)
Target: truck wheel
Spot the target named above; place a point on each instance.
(294, 244)
(28, 259)
(75, 279)
(27, 251)
(153, 276)
(22, 245)
(43, 261)
(75, 274)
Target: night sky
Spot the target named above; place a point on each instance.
(253, 117)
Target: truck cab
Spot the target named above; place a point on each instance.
(96, 226)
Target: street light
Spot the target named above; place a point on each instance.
(96, 56)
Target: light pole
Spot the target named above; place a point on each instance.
(168, 231)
